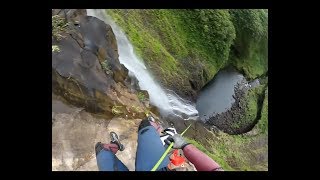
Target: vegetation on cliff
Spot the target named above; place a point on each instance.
(252, 104)
(186, 48)
(250, 50)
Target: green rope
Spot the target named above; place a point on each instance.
(155, 167)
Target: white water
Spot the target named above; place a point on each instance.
(167, 101)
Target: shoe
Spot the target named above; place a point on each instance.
(98, 147)
(115, 140)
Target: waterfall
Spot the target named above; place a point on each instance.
(167, 101)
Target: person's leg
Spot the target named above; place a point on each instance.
(106, 158)
(150, 148)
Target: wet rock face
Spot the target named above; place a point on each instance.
(88, 45)
(100, 40)
(72, 15)
(86, 70)
(195, 80)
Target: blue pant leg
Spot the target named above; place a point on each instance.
(107, 161)
(149, 149)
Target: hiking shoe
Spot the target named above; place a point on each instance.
(115, 140)
(98, 148)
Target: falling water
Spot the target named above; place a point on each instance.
(167, 101)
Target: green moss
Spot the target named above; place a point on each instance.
(116, 110)
(251, 103)
(250, 50)
(250, 100)
(59, 27)
(235, 152)
(141, 96)
(215, 156)
(263, 122)
(174, 43)
(106, 67)
(135, 108)
(55, 48)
